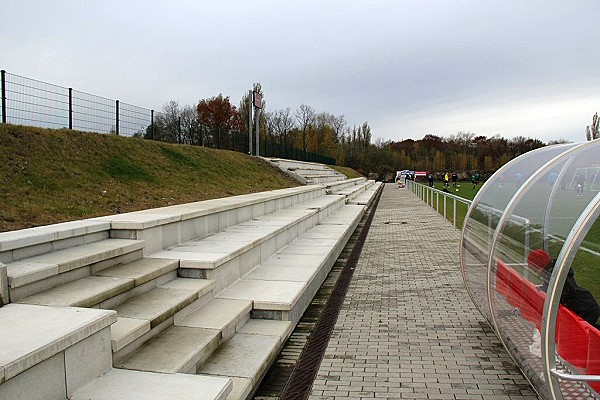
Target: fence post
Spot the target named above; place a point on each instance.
(179, 130)
(70, 108)
(527, 244)
(152, 124)
(454, 217)
(3, 79)
(490, 230)
(445, 207)
(117, 118)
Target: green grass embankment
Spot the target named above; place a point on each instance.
(50, 176)
(349, 172)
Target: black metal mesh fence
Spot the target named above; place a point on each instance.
(133, 119)
(30, 102)
(93, 113)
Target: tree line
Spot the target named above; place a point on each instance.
(216, 122)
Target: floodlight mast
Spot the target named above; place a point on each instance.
(250, 122)
(257, 108)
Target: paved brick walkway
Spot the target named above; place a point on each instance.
(408, 329)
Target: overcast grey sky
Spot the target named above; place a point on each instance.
(409, 68)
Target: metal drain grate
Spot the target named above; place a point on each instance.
(300, 382)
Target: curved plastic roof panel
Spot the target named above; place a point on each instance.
(529, 234)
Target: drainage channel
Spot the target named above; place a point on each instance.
(293, 372)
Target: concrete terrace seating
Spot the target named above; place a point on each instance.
(306, 172)
(357, 190)
(188, 301)
(334, 182)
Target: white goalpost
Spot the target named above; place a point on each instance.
(589, 177)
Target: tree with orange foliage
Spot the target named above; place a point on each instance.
(217, 116)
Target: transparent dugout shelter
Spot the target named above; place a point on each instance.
(530, 259)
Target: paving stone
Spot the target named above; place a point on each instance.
(407, 328)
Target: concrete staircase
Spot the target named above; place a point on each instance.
(306, 172)
(188, 301)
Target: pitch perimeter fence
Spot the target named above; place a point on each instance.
(30, 102)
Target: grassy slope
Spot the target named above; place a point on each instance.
(349, 172)
(49, 176)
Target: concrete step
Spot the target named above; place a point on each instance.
(141, 271)
(212, 251)
(366, 197)
(282, 286)
(337, 186)
(353, 191)
(309, 172)
(267, 327)
(85, 292)
(230, 254)
(178, 349)
(245, 358)
(224, 315)
(326, 205)
(193, 338)
(294, 164)
(168, 324)
(121, 384)
(346, 216)
(109, 283)
(165, 227)
(48, 352)
(148, 314)
(24, 243)
(43, 267)
(165, 301)
(121, 284)
(244, 386)
(324, 179)
(127, 330)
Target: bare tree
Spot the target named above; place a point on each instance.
(190, 128)
(305, 115)
(281, 125)
(323, 134)
(364, 133)
(591, 131)
(339, 127)
(167, 123)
